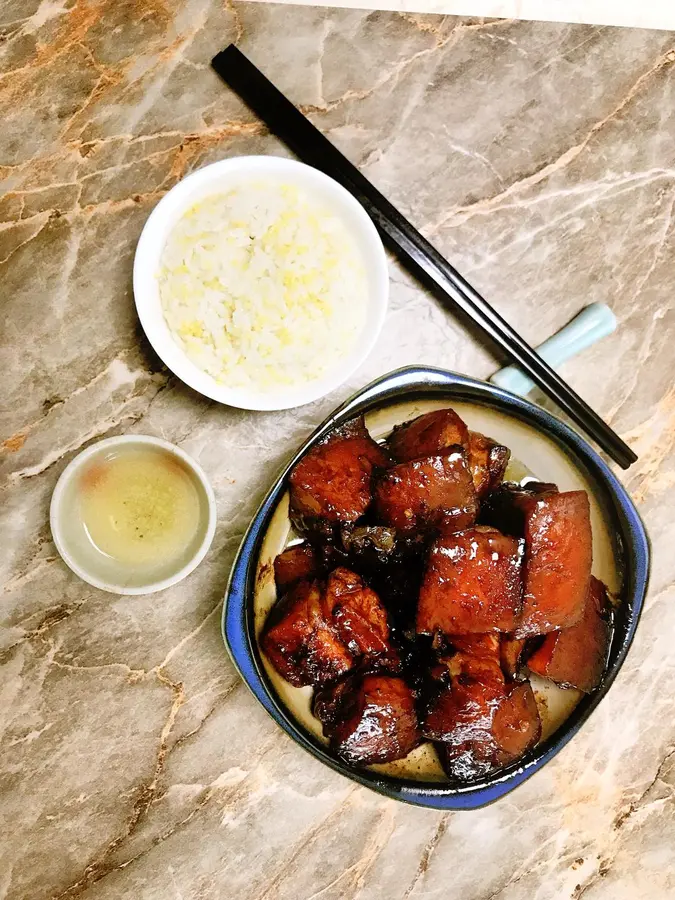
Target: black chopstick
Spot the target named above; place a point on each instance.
(416, 253)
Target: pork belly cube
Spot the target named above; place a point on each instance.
(511, 651)
(487, 461)
(332, 483)
(516, 726)
(459, 718)
(463, 656)
(360, 618)
(296, 563)
(318, 631)
(472, 584)
(558, 556)
(481, 646)
(463, 710)
(436, 491)
(427, 435)
(476, 655)
(506, 506)
(576, 656)
(558, 550)
(468, 665)
(481, 725)
(369, 719)
(301, 640)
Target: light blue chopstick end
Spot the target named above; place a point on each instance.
(589, 326)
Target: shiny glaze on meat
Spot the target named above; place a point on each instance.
(359, 618)
(428, 435)
(369, 719)
(576, 656)
(346, 625)
(487, 461)
(297, 563)
(558, 559)
(301, 641)
(436, 491)
(472, 583)
(480, 724)
(332, 483)
(321, 630)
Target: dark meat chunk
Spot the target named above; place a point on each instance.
(394, 571)
(576, 657)
(301, 641)
(485, 667)
(558, 555)
(360, 618)
(463, 711)
(558, 549)
(505, 507)
(482, 646)
(516, 726)
(374, 542)
(487, 461)
(332, 702)
(427, 435)
(435, 491)
(319, 631)
(472, 584)
(471, 654)
(369, 719)
(391, 562)
(415, 659)
(470, 657)
(481, 725)
(332, 483)
(511, 650)
(297, 563)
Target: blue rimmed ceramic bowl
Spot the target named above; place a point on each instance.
(541, 445)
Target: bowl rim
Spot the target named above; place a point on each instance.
(147, 259)
(237, 618)
(75, 465)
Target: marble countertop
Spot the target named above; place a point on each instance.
(629, 13)
(541, 159)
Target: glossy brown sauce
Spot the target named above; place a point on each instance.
(534, 457)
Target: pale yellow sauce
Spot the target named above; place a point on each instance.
(139, 506)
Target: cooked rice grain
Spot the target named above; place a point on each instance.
(263, 287)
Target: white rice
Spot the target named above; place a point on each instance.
(263, 287)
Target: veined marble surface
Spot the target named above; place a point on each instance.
(629, 13)
(541, 159)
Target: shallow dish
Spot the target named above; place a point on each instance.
(222, 176)
(90, 564)
(544, 446)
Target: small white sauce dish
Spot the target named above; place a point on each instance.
(158, 571)
(219, 178)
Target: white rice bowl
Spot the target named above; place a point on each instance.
(263, 287)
